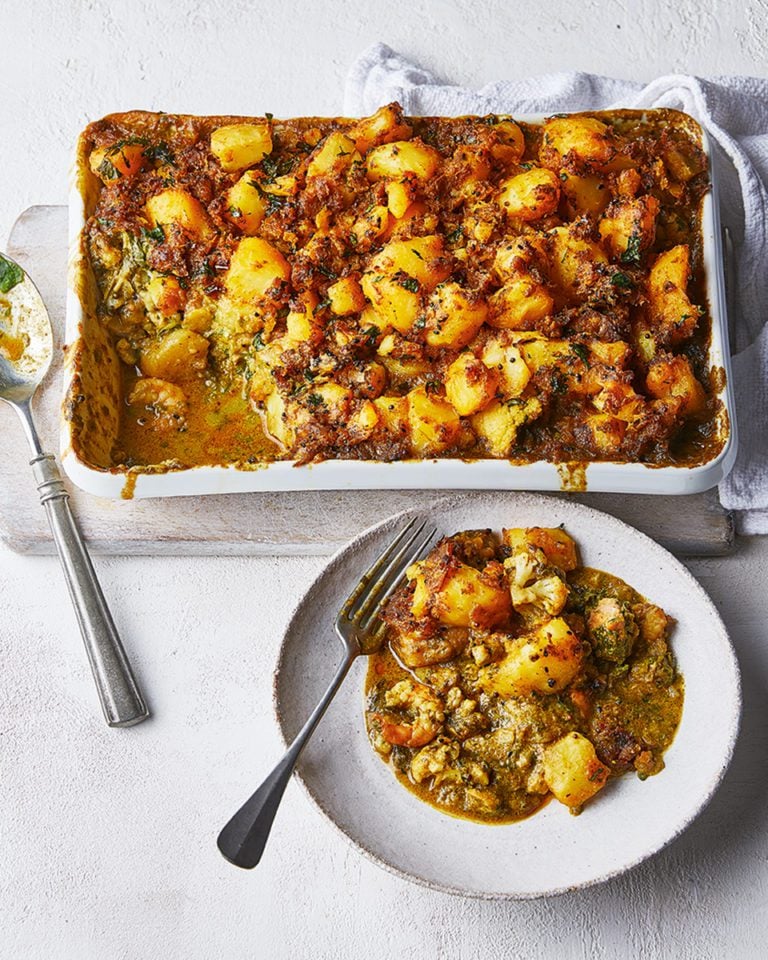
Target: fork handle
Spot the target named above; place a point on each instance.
(243, 839)
(120, 697)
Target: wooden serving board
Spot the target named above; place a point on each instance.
(255, 523)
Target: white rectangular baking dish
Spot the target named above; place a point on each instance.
(438, 474)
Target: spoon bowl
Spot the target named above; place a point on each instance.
(26, 338)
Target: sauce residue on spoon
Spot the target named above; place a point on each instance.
(25, 332)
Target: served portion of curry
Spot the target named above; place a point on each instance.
(513, 674)
(396, 287)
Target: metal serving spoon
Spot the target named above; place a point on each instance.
(26, 348)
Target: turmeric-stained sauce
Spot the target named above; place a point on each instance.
(512, 674)
(395, 287)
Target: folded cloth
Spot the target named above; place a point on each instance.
(734, 111)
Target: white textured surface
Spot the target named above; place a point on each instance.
(107, 836)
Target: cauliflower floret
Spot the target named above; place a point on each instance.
(535, 588)
(434, 760)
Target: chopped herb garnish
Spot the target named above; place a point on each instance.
(156, 234)
(410, 283)
(632, 253)
(275, 167)
(563, 176)
(527, 166)
(432, 386)
(455, 235)
(274, 203)
(326, 271)
(258, 341)
(414, 250)
(108, 170)
(269, 116)
(314, 400)
(580, 350)
(420, 323)
(371, 333)
(160, 152)
(11, 275)
(621, 280)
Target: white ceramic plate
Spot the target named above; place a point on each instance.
(552, 851)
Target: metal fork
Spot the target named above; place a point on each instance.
(243, 839)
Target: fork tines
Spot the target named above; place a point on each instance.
(383, 578)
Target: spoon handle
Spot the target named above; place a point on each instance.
(121, 699)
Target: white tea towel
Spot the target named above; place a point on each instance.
(734, 111)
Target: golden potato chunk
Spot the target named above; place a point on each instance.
(585, 140)
(346, 297)
(277, 423)
(572, 770)
(422, 258)
(530, 195)
(520, 304)
(545, 661)
(628, 227)
(498, 424)
(301, 324)
(335, 155)
(114, 163)
(396, 303)
(433, 423)
(255, 268)
(510, 142)
(165, 294)
(363, 422)
(585, 194)
(400, 195)
(384, 126)
(179, 207)
(393, 415)
(166, 400)
(545, 353)
(607, 433)
(667, 284)
(558, 547)
(672, 378)
(507, 362)
(469, 384)
(573, 262)
(393, 161)
(240, 145)
(453, 316)
(469, 597)
(245, 205)
(372, 225)
(329, 399)
(179, 355)
(516, 255)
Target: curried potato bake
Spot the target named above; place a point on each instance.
(513, 674)
(395, 287)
